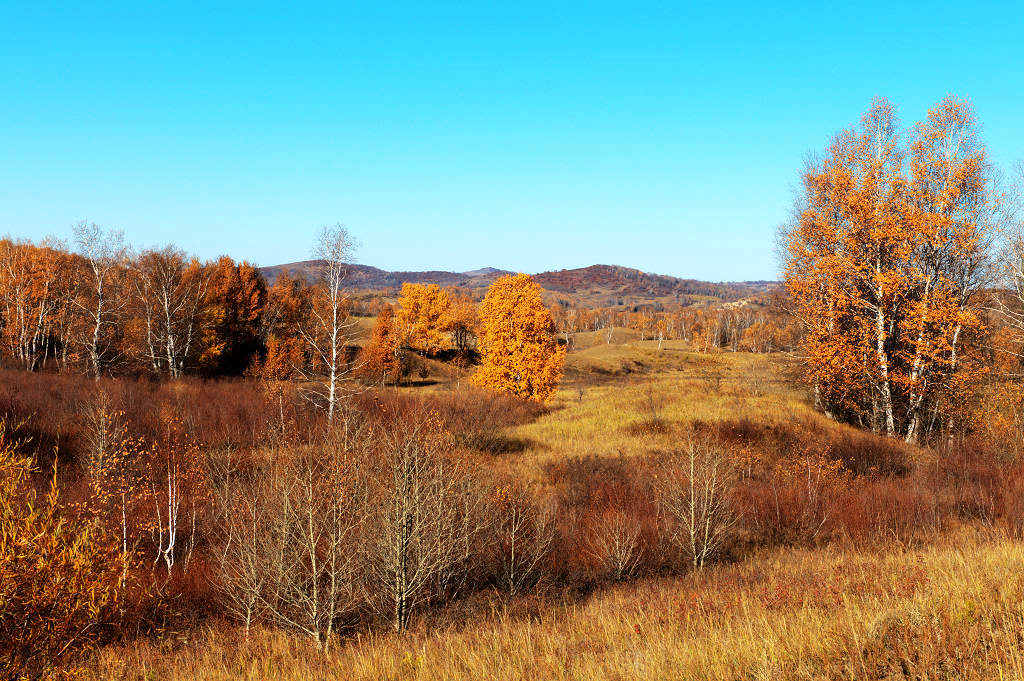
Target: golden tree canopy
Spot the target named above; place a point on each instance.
(884, 262)
(519, 352)
(423, 317)
(380, 359)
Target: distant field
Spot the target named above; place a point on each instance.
(612, 387)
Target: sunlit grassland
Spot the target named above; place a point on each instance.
(611, 391)
(953, 610)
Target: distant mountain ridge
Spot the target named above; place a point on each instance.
(601, 281)
(368, 277)
(626, 281)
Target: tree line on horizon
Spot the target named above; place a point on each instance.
(889, 267)
(103, 308)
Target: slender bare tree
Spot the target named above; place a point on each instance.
(525, 530)
(1012, 256)
(422, 520)
(290, 551)
(695, 496)
(243, 574)
(328, 329)
(614, 543)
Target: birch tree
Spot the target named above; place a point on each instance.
(696, 499)
(101, 298)
(292, 530)
(422, 520)
(328, 329)
(169, 290)
(890, 245)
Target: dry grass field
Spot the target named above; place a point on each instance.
(953, 610)
(613, 390)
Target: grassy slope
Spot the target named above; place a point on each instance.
(611, 387)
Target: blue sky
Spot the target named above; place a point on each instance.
(526, 136)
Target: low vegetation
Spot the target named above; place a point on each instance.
(951, 610)
(543, 553)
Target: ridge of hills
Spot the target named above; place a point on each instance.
(598, 285)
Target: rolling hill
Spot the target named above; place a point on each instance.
(598, 285)
(367, 277)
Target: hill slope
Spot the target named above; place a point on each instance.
(367, 277)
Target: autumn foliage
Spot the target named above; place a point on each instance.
(236, 299)
(519, 352)
(320, 502)
(423, 317)
(884, 261)
(463, 320)
(380, 358)
(59, 580)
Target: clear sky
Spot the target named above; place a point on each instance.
(526, 136)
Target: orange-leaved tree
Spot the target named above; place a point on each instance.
(518, 348)
(423, 317)
(380, 357)
(35, 292)
(884, 262)
(287, 305)
(235, 299)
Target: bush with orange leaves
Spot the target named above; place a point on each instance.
(518, 348)
(794, 499)
(111, 456)
(59, 581)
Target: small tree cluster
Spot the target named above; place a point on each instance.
(366, 520)
(884, 261)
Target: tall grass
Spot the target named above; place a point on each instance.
(949, 611)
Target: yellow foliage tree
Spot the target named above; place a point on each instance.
(283, 355)
(423, 317)
(885, 263)
(59, 582)
(235, 300)
(519, 352)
